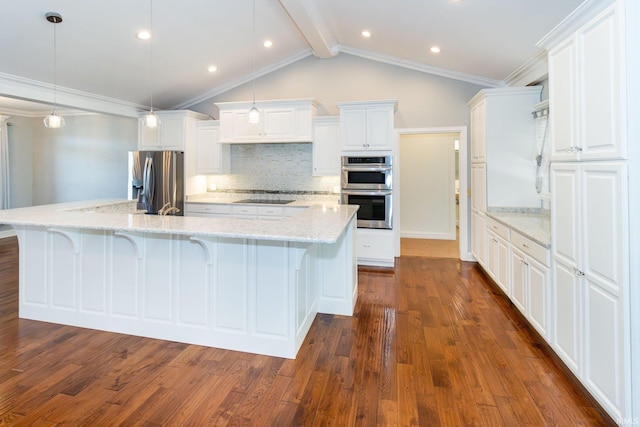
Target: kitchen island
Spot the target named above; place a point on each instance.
(241, 284)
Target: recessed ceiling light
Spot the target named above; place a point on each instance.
(143, 35)
(267, 43)
(212, 69)
(366, 33)
(435, 49)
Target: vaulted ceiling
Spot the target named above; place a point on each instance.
(481, 41)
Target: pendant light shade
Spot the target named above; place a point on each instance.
(254, 114)
(151, 119)
(53, 120)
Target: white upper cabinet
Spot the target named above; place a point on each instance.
(212, 157)
(367, 125)
(326, 146)
(176, 126)
(503, 138)
(586, 90)
(280, 121)
(478, 136)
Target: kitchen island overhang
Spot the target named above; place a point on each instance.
(238, 284)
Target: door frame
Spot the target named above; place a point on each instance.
(463, 169)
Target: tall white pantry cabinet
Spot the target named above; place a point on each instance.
(591, 59)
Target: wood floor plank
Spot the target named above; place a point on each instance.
(432, 342)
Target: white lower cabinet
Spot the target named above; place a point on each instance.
(498, 254)
(590, 222)
(375, 247)
(530, 281)
(478, 239)
(207, 210)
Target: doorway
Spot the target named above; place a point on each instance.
(431, 199)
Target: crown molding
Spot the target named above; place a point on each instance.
(33, 90)
(534, 70)
(428, 69)
(245, 79)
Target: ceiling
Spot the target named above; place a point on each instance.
(481, 41)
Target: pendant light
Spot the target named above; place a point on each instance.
(53, 120)
(151, 119)
(254, 113)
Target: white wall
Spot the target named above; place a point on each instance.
(424, 100)
(20, 161)
(87, 159)
(427, 186)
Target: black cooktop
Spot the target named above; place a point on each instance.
(265, 201)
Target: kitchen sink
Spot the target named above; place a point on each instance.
(265, 201)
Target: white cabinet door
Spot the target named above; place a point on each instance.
(567, 304)
(498, 260)
(326, 146)
(478, 132)
(590, 281)
(353, 129)
(374, 247)
(478, 241)
(563, 101)
(565, 208)
(538, 296)
(279, 123)
(585, 92)
(479, 186)
(212, 157)
(502, 271)
(605, 268)
(519, 280)
(171, 133)
(600, 88)
(367, 125)
(379, 128)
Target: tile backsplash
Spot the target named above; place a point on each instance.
(272, 167)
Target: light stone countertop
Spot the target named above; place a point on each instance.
(535, 226)
(299, 200)
(317, 224)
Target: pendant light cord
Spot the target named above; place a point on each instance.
(151, 53)
(55, 67)
(254, 52)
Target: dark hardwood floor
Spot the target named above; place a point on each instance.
(431, 344)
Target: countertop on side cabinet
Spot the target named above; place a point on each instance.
(535, 226)
(316, 224)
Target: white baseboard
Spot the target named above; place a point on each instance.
(423, 235)
(7, 233)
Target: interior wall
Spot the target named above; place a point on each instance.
(424, 100)
(427, 186)
(87, 159)
(20, 161)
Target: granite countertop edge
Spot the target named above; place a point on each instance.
(316, 224)
(533, 225)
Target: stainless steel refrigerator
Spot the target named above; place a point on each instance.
(156, 180)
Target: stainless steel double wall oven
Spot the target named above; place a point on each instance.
(368, 182)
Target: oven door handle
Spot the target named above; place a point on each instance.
(367, 193)
(366, 168)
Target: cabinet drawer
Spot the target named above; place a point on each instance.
(244, 210)
(374, 245)
(270, 210)
(498, 228)
(208, 208)
(531, 248)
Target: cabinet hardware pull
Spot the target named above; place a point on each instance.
(525, 246)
